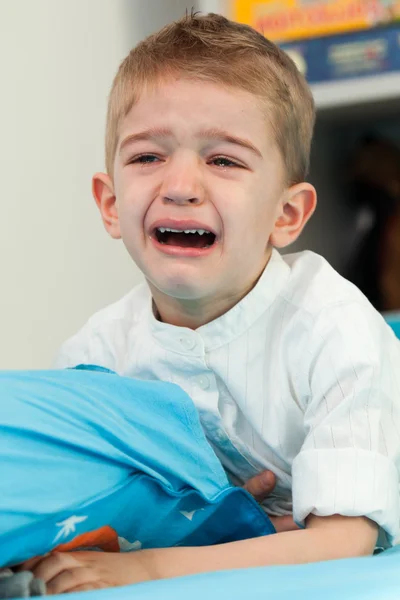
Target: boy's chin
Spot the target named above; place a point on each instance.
(179, 289)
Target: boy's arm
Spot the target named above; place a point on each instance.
(324, 538)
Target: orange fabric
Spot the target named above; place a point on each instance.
(104, 538)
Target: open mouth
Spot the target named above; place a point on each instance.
(188, 238)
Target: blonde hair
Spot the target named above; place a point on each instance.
(212, 48)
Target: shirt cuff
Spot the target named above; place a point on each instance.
(348, 482)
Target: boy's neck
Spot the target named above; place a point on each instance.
(188, 314)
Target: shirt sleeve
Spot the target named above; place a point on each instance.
(349, 462)
(72, 353)
(92, 345)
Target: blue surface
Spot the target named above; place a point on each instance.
(88, 452)
(394, 322)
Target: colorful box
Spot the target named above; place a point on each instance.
(290, 20)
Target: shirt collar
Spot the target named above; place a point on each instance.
(230, 325)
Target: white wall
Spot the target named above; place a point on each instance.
(57, 61)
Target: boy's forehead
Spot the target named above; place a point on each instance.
(195, 107)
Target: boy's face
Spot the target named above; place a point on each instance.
(195, 156)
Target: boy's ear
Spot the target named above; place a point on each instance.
(295, 209)
(103, 193)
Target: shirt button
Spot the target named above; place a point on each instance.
(187, 342)
(203, 381)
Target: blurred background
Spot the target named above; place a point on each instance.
(58, 59)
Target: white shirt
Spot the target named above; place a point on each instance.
(302, 377)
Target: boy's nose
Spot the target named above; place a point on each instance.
(182, 185)
(182, 192)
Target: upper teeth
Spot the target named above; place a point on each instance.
(200, 231)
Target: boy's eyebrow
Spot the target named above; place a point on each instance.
(213, 133)
(224, 136)
(147, 134)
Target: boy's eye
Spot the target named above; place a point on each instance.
(222, 161)
(145, 159)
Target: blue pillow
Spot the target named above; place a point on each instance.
(92, 459)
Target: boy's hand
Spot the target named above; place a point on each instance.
(260, 486)
(81, 571)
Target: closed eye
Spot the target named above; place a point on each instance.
(219, 161)
(223, 162)
(144, 159)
